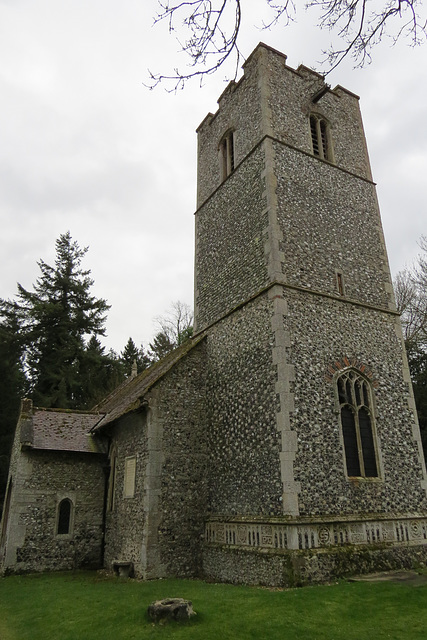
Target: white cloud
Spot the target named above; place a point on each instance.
(85, 147)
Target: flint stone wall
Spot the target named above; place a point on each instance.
(330, 222)
(161, 528)
(41, 479)
(290, 106)
(243, 441)
(323, 332)
(181, 409)
(298, 568)
(125, 521)
(231, 229)
(245, 122)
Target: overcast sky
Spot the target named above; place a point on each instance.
(86, 147)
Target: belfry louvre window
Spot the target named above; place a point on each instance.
(320, 141)
(227, 154)
(354, 395)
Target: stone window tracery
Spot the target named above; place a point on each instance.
(320, 138)
(226, 149)
(357, 423)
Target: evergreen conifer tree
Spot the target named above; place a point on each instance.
(131, 354)
(55, 320)
(12, 389)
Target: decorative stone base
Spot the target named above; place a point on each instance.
(318, 533)
(292, 554)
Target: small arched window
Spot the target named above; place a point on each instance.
(320, 138)
(354, 394)
(226, 149)
(64, 517)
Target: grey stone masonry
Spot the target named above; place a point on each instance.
(293, 289)
(44, 471)
(280, 444)
(158, 527)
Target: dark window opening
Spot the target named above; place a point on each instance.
(357, 425)
(314, 136)
(324, 138)
(64, 517)
(350, 442)
(227, 155)
(340, 284)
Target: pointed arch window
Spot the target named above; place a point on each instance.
(357, 423)
(320, 138)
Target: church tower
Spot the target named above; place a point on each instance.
(312, 438)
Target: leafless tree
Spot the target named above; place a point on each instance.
(177, 323)
(208, 30)
(410, 287)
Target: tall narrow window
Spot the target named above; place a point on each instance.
(354, 395)
(64, 517)
(320, 140)
(340, 283)
(227, 155)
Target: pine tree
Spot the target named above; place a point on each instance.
(99, 373)
(161, 346)
(131, 354)
(12, 388)
(55, 319)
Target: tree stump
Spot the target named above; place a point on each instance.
(176, 609)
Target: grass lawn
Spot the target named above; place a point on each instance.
(86, 606)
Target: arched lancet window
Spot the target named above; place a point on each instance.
(354, 394)
(226, 148)
(64, 517)
(320, 138)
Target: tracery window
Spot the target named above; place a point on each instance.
(320, 138)
(355, 399)
(227, 154)
(64, 517)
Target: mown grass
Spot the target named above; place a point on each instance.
(85, 606)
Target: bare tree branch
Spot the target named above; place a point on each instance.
(177, 323)
(410, 288)
(211, 40)
(212, 29)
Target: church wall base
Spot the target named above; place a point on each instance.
(284, 568)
